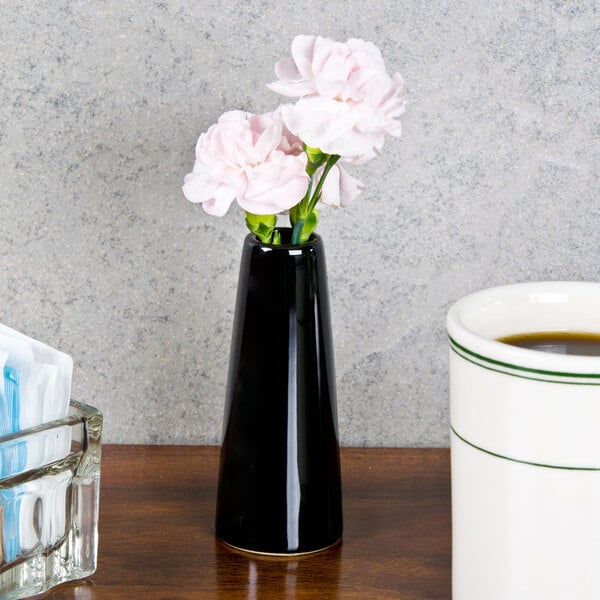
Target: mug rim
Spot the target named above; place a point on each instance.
(477, 347)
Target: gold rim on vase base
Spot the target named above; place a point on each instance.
(278, 554)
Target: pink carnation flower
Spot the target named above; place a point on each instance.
(347, 103)
(250, 158)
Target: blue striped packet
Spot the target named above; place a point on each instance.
(35, 388)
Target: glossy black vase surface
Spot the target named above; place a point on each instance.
(279, 481)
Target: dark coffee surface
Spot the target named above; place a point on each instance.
(558, 342)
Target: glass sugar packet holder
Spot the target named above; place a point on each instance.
(49, 491)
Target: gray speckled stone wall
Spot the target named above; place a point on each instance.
(494, 181)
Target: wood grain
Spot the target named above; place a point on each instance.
(157, 534)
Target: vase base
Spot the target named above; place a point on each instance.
(279, 554)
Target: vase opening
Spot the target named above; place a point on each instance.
(286, 239)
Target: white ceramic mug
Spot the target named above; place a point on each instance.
(525, 446)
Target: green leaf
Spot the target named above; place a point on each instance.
(261, 226)
(315, 159)
(253, 220)
(314, 154)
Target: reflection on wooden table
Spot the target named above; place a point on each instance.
(157, 532)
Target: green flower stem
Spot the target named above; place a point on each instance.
(306, 208)
(331, 160)
(297, 231)
(300, 212)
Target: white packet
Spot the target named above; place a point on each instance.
(35, 388)
(46, 392)
(19, 360)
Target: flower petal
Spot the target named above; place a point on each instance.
(274, 200)
(350, 187)
(302, 53)
(340, 188)
(330, 192)
(287, 70)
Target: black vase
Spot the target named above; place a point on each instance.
(279, 479)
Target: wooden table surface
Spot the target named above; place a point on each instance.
(157, 534)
